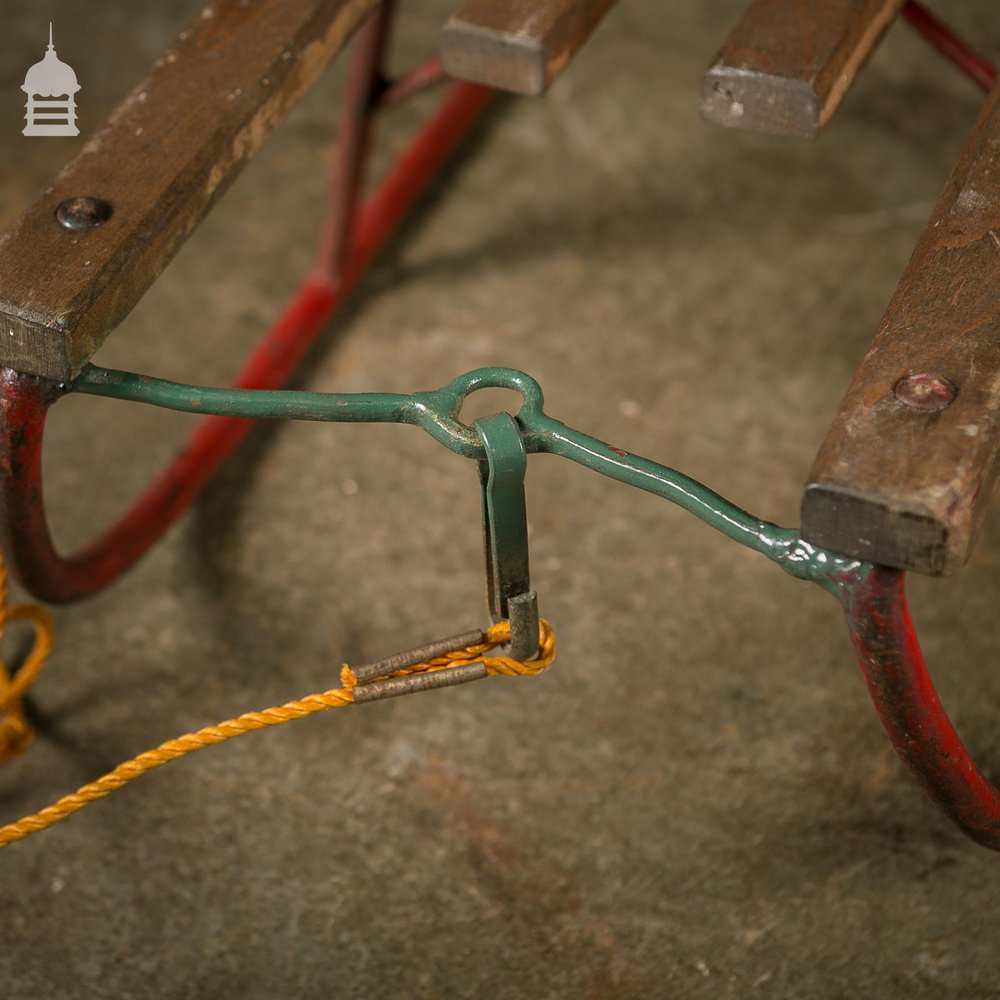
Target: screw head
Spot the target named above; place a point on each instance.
(925, 391)
(84, 213)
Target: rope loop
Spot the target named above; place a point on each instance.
(15, 733)
(173, 749)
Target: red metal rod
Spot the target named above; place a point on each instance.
(363, 83)
(904, 696)
(25, 398)
(951, 45)
(412, 82)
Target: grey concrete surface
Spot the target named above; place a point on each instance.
(696, 800)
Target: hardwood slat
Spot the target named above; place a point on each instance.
(909, 487)
(164, 156)
(517, 45)
(788, 64)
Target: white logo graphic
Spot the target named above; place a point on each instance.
(50, 78)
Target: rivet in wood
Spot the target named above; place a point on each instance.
(925, 391)
(84, 212)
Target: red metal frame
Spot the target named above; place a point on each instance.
(882, 631)
(349, 243)
(901, 688)
(950, 45)
(411, 83)
(877, 614)
(363, 86)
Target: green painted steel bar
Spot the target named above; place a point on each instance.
(505, 517)
(782, 545)
(437, 413)
(262, 404)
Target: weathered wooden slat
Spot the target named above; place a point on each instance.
(904, 477)
(517, 45)
(788, 63)
(161, 160)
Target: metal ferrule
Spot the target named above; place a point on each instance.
(395, 686)
(383, 668)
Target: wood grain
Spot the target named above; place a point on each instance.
(517, 45)
(164, 156)
(907, 487)
(789, 63)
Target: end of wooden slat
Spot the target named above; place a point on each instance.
(908, 468)
(758, 102)
(32, 346)
(520, 46)
(883, 531)
(499, 59)
(161, 160)
(787, 65)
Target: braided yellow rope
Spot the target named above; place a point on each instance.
(276, 716)
(15, 733)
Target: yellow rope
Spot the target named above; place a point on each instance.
(276, 716)
(15, 733)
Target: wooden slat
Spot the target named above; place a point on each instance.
(162, 159)
(904, 486)
(788, 63)
(517, 45)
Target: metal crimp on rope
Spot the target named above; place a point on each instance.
(456, 665)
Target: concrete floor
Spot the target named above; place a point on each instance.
(697, 800)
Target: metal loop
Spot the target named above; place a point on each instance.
(438, 411)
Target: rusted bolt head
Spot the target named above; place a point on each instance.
(84, 213)
(925, 391)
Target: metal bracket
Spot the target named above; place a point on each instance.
(505, 532)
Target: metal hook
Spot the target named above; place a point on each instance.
(505, 532)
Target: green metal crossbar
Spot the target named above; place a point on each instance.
(437, 412)
(872, 596)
